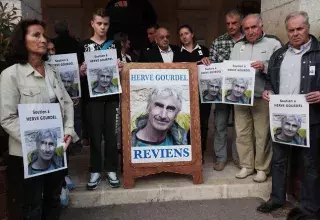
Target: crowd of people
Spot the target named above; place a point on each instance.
(280, 69)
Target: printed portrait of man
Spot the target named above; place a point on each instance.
(288, 133)
(67, 78)
(159, 126)
(212, 93)
(104, 84)
(45, 157)
(237, 92)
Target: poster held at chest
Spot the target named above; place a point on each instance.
(160, 115)
(238, 83)
(67, 64)
(289, 120)
(210, 83)
(41, 131)
(102, 73)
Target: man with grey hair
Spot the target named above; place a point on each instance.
(251, 122)
(294, 70)
(212, 93)
(288, 133)
(104, 82)
(67, 77)
(219, 51)
(159, 126)
(45, 157)
(237, 92)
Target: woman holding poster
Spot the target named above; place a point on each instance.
(32, 81)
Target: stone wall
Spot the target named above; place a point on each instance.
(274, 13)
(27, 8)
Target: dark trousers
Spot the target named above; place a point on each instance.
(309, 157)
(36, 198)
(101, 121)
(204, 118)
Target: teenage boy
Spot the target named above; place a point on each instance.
(100, 111)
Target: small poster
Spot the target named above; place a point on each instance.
(67, 64)
(102, 72)
(289, 120)
(42, 135)
(238, 83)
(160, 115)
(210, 82)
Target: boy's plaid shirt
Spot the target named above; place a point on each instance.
(220, 49)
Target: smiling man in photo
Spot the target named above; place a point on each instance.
(288, 133)
(212, 93)
(237, 93)
(104, 82)
(45, 158)
(159, 126)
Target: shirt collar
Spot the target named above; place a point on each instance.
(302, 48)
(162, 51)
(195, 48)
(228, 37)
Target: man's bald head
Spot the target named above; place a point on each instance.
(162, 38)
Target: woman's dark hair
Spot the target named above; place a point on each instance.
(190, 29)
(17, 50)
(186, 26)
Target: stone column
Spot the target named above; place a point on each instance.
(274, 13)
(27, 8)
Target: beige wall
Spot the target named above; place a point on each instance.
(274, 13)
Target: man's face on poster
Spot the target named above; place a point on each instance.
(238, 88)
(47, 148)
(105, 78)
(163, 112)
(213, 88)
(290, 126)
(67, 81)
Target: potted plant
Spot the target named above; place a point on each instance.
(8, 18)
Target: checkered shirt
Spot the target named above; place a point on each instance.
(220, 49)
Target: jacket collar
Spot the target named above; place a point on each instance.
(27, 69)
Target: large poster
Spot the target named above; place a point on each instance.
(289, 119)
(67, 65)
(210, 83)
(230, 82)
(41, 131)
(160, 115)
(102, 72)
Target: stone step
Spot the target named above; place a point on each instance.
(164, 187)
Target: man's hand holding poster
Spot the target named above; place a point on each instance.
(67, 64)
(102, 71)
(41, 131)
(160, 115)
(289, 119)
(230, 82)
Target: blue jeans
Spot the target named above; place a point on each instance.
(310, 189)
(221, 119)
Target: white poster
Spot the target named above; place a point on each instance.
(67, 64)
(210, 82)
(160, 115)
(41, 132)
(289, 119)
(102, 72)
(238, 83)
